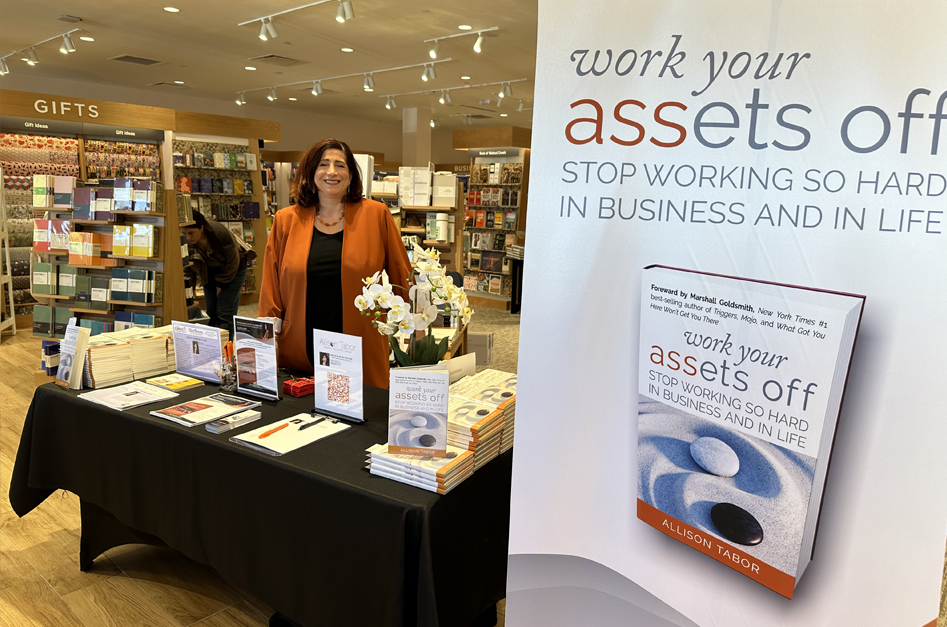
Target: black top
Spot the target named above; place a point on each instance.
(324, 285)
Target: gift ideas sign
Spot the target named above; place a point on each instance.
(795, 142)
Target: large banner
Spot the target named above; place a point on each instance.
(790, 142)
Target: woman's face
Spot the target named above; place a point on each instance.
(332, 176)
(193, 235)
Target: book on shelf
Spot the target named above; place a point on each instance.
(61, 316)
(40, 235)
(491, 261)
(72, 355)
(42, 193)
(143, 241)
(509, 221)
(746, 378)
(83, 203)
(63, 187)
(66, 279)
(122, 240)
(44, 278)
(83, 293)
(42, 320)
(59, 235)
(496, 284)
(99, 293)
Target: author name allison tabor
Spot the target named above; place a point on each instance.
(723, 552)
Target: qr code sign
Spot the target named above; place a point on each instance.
(338, 387)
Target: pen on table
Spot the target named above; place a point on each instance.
(272, 431)
(311, 424)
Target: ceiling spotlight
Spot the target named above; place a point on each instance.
(424, 74)
(503, 115)
(87, 38)
(431, 74)
(264, 34)
(67, 45)
(390, 103)
(479, 45)
(239, 99)
(243, 98)
(519, 109)
(249, 67)
(171, 10)
(499, 102)
(31, 58)
(272, 95)
(4, 68)
(291, 98)
(340, 14)
(369, 83)
(465, 78)
(435, 49)
(433, 123)
(442, 99)
(316, 88)
(347, 9)
(508, 91)
(271, 28)
(348, 50)
(178, 82)
(447, 97)
(465, 27)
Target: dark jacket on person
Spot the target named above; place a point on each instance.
(222, 253)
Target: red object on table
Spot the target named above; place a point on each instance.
(299, 387)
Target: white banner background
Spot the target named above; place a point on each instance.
(879, 552)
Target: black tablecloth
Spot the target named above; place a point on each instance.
(310, 533)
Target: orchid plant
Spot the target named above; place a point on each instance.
(396, 317)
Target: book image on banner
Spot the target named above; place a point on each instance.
(740, 387)
(255, 346)
(417, 412)
(338, 375)
(197, 351)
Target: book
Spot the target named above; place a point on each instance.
(175, 382)
(42, 320)
(44, 278)
(119, 284)
(72, 354)
(288, 435)
(63, 191)
(417, 412)
(438, 475)
(99, 293)
(49, 356)
(740, 386)
(83, 203)
(143, 240)
(61, 316)
(40, 235)
(59, 235)
(232, 422)
(205, 409)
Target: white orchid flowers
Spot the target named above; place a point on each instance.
(392, 315)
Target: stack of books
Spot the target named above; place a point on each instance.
(124, 355)
(149, 350)
(439, 475)
(49, 357)
(475, 427)
(106, 363)
(515, 252)
(496, 389)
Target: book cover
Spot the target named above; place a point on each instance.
(122, 240)
(175, 382)
(119, 284)
(417, 412)
(42, 279)
(83, 292)
(481, 219)
(99, 293)
(740, 386)
(61, 317)
(42, 320)
(143, 240)
(136, 285)
(63, 191)
(67, 280)
(491, 261)
(59, 235)
(40, 235)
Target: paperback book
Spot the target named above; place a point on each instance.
(417, 412)
(740, 386)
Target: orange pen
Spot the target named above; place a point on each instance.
(272, 431)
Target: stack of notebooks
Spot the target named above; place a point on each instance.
(51, 235)
(53, 191)
(435, 475)
(91, 249)
(495, 389)
(134, 240)
(137, 286)
(135, 194)
(92, 293)
(515, 252)
(50, 321)
(475, 427)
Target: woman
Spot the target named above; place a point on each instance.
(221, 265)
(317, 254)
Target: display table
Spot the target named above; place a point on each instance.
(311, 533)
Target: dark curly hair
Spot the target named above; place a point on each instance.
(303, 188)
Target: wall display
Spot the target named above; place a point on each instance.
(338, 382)
(417, 413)
(255, 347)
(197, 351)
(796, 143)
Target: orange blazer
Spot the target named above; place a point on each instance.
(371, 242)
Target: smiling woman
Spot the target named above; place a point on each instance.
(317, 253)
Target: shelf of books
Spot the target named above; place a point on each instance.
(430, 206)
(222, 178)
(97, 253)
(492, 220)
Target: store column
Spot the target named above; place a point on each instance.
(416, 136)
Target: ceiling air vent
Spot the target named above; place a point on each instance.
(127, 58)
(171, 85)
(275, 59)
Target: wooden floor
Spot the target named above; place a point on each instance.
(135, 585)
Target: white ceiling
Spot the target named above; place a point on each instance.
(203, 46)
